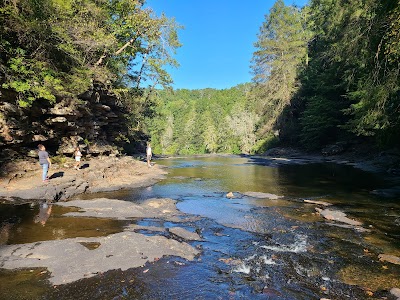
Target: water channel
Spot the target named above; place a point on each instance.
(252, 248)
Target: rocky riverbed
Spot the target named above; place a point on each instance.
(272, 220)
(71, 259)
(88, 257)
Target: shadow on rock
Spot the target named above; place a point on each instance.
(56, 175)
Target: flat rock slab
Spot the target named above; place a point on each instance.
(72, 259)
(389, 258)
(122, 210)
(262, 195)
(323, 203)
(338, 216)
(185, 234)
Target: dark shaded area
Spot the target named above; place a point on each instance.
(57, 175)
(84, 166)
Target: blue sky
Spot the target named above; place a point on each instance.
(217, 39)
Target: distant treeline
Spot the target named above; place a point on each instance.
(323, 73)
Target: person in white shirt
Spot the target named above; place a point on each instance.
(148, 154)
(78, 156)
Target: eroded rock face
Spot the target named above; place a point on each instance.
(95, 120)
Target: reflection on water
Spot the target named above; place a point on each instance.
(44, 213)
(253, 248)
(33, 223)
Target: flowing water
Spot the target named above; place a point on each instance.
(252, 248)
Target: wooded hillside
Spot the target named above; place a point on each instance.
(323, 74)
(74, 71)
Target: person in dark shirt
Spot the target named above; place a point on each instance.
(44, 161)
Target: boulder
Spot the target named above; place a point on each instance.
(334, 149)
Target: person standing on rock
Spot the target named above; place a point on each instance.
(148, 154)
(78, 155)
(44, 161)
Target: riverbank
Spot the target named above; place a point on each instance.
(21, 180)
(364, 158)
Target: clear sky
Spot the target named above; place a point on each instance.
(217, 39)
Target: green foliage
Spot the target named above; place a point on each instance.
(59, 159)
(32, 80)
(351, 84)
(203, 121)
(281, 54)
(266, 143)
(54, 48)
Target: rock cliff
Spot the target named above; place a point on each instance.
(96, 120)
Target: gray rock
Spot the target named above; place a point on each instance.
(334, 149)
(185, 234)
(395, 292)
(336, 215)
(69, 260)
(389, 258)
(262, 195)
(123, 210)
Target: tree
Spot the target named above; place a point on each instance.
(351, 85)
(54, 48)
(281, 50)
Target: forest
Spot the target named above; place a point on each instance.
(324, 73)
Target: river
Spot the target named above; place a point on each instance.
(264, 243)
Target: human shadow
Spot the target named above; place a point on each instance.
(84, 166)
(56, 175)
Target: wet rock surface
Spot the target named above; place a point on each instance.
(389, 258)
(335, 215)
(262, 195)
(70, 260)
(185, 234)
(124, 210)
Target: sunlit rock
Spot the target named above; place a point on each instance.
(323, 203)
(262, 195)
(395, 292)
(338, 216)
(122, 251)
(389, 258)
(230, 195)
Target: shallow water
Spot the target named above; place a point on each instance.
(253, 248)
